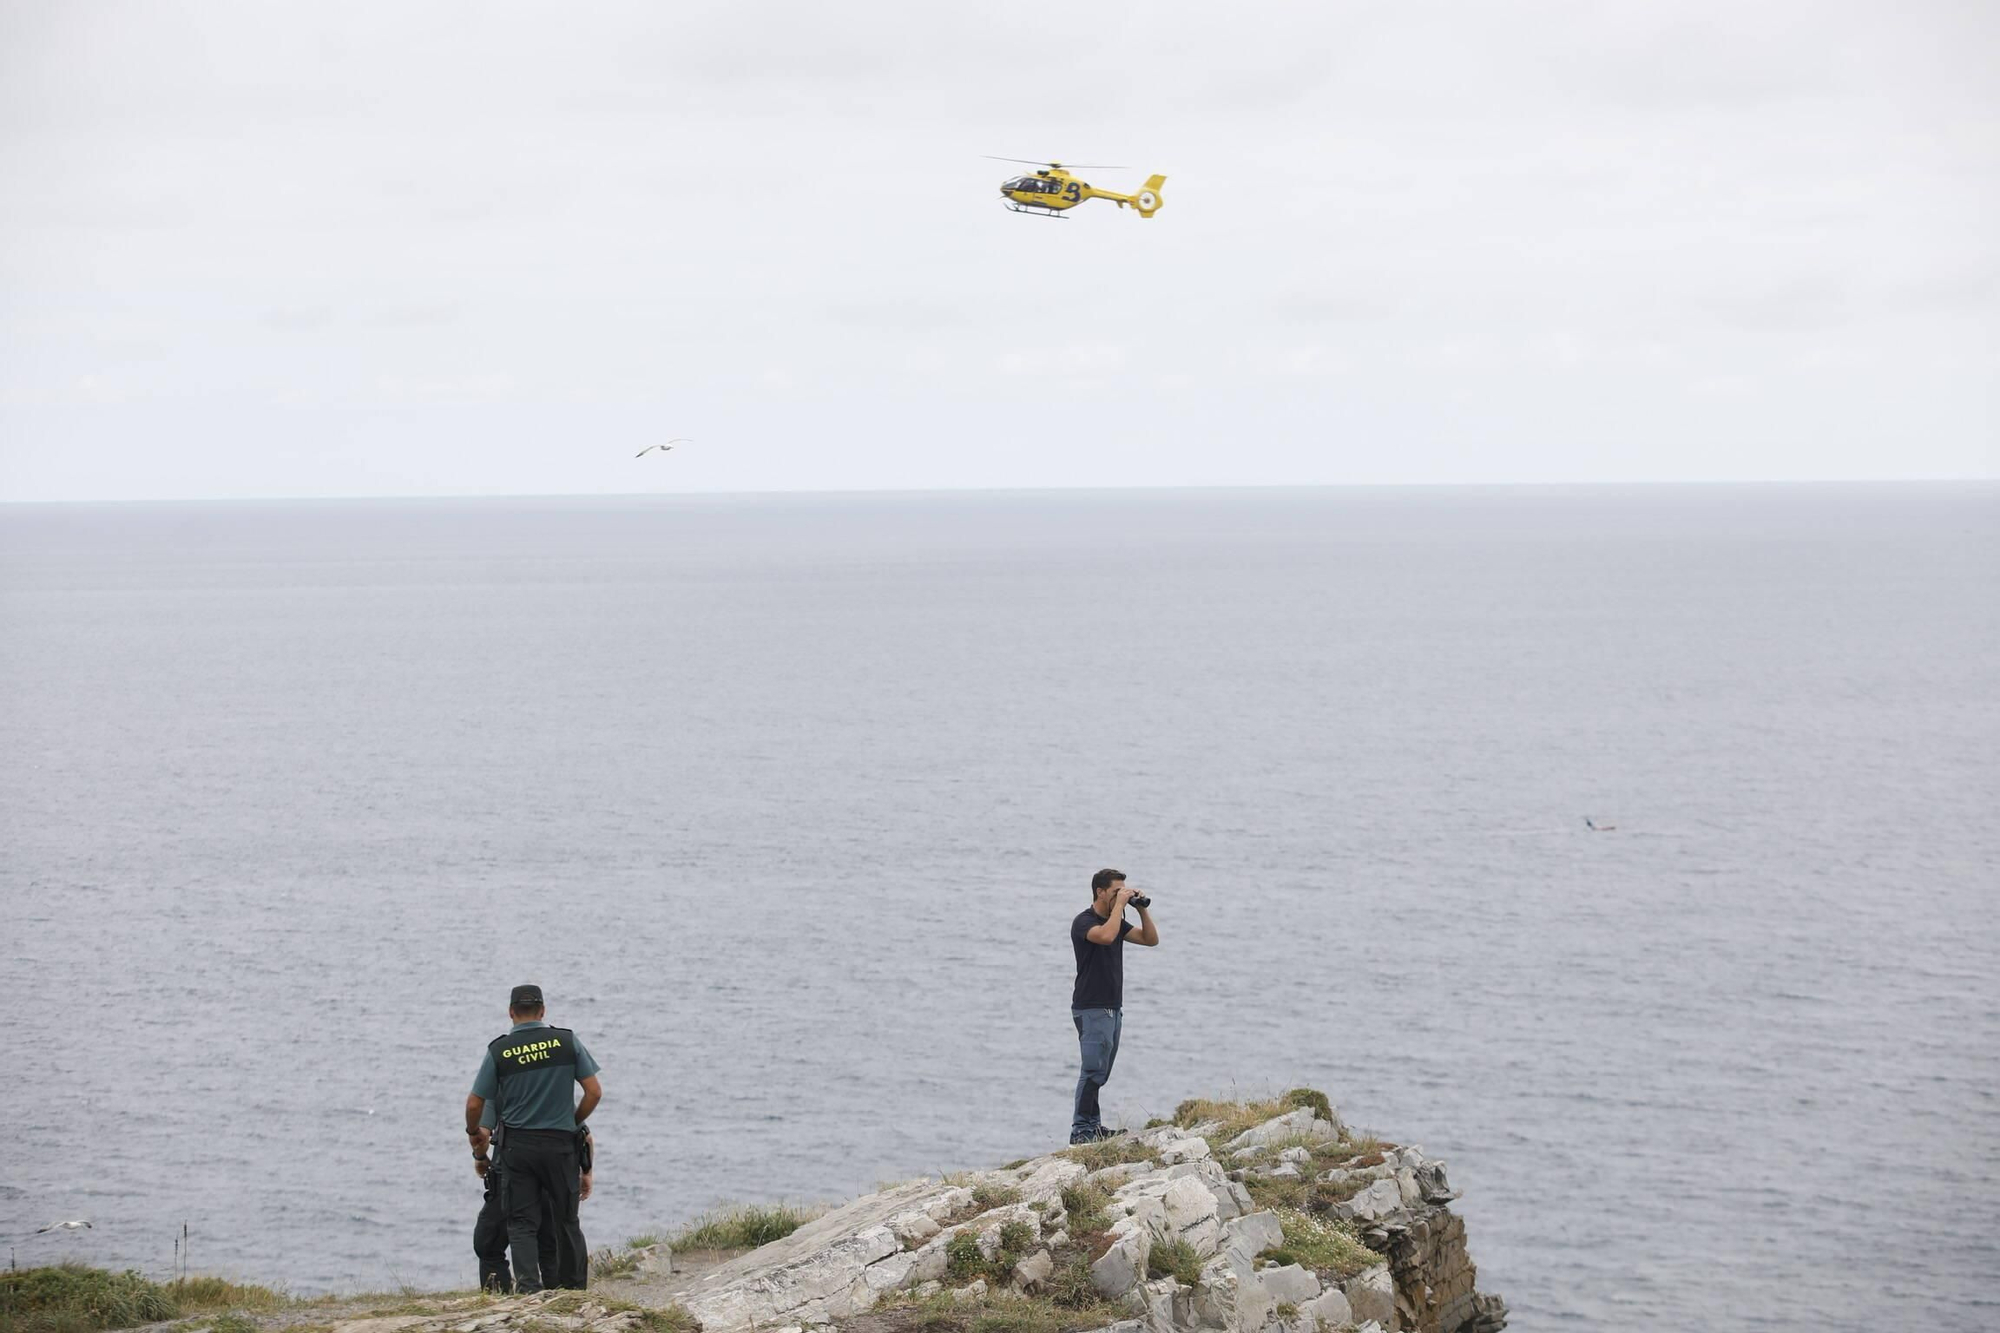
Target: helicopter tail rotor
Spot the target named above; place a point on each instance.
(1148, 200)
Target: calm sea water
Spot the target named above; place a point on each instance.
(787, 802)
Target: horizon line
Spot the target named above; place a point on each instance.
(1018, 490)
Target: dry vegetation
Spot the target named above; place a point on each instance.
(74, 1298)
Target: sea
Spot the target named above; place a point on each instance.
(787, 801)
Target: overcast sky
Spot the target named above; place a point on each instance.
(256, 249)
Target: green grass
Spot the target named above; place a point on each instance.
(609, 1263)
(1312, 1097)
(1109, 1152)
(1085, 1203)
(962, 1259)
(1280, 1192)
(661, 1319)
(963, 1262)
(645, 1242)
(989, 1196)
(1327, 1193)
(75, 1298)
(1010, 1312)
(668, 1319)
(1016, 1237)
(1069, 1285)
(1176, 1259)
(1235, 1116)
(1013, 1313)
(742, 1228)
(533, 1324)
(1324, 1247)
(1345, 1152)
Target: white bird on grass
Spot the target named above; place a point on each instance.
(78, 1225)
(661, 447)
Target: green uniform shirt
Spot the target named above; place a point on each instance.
(535, 1097)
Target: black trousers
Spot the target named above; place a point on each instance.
(539, 1170)
(489, 1237)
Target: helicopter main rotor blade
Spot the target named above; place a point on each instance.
(1080, 166)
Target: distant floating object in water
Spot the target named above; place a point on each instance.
(661, 447)
(1599, 828)
(78, 1225)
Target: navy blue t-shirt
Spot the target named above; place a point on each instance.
(1100, 968)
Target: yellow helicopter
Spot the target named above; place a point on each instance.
(1052, 190)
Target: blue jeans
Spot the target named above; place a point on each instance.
(1097, 1036)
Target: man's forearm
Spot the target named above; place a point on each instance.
(475, 1107)
(587, 1105)
(1147, 928)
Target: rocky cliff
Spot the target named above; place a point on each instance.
(1263, 1218)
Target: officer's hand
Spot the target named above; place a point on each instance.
(583, 1188)
(481, 1139)
(481, 1165)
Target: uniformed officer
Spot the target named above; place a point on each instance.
(489, 1233)
(527, 1074)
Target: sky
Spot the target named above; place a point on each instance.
(419, 248)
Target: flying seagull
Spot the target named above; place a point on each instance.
(661, 447)
(63, 1226)
(1599, 828)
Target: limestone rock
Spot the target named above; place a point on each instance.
(1192, 1213)
(1332, 1308)
(914, 1227)
(1244, 1238)
(1380, 1200)
(1120, 1267)
(1291, 1124)
(1167, 1306)
(890, 1273)
(1372, 1295)
(1289, 1285)
(1111, 1177)
(1044, 1183)
(951, 1201)
(971, 1291)
(1340, 1175)
(1432, 1185)
(1172, 1144)
(1230, 1297)
(814, 1271)
(1032, 1271)
(931, 1260)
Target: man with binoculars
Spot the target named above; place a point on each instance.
(1097, 1004)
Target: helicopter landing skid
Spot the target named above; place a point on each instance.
(1033, 211)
